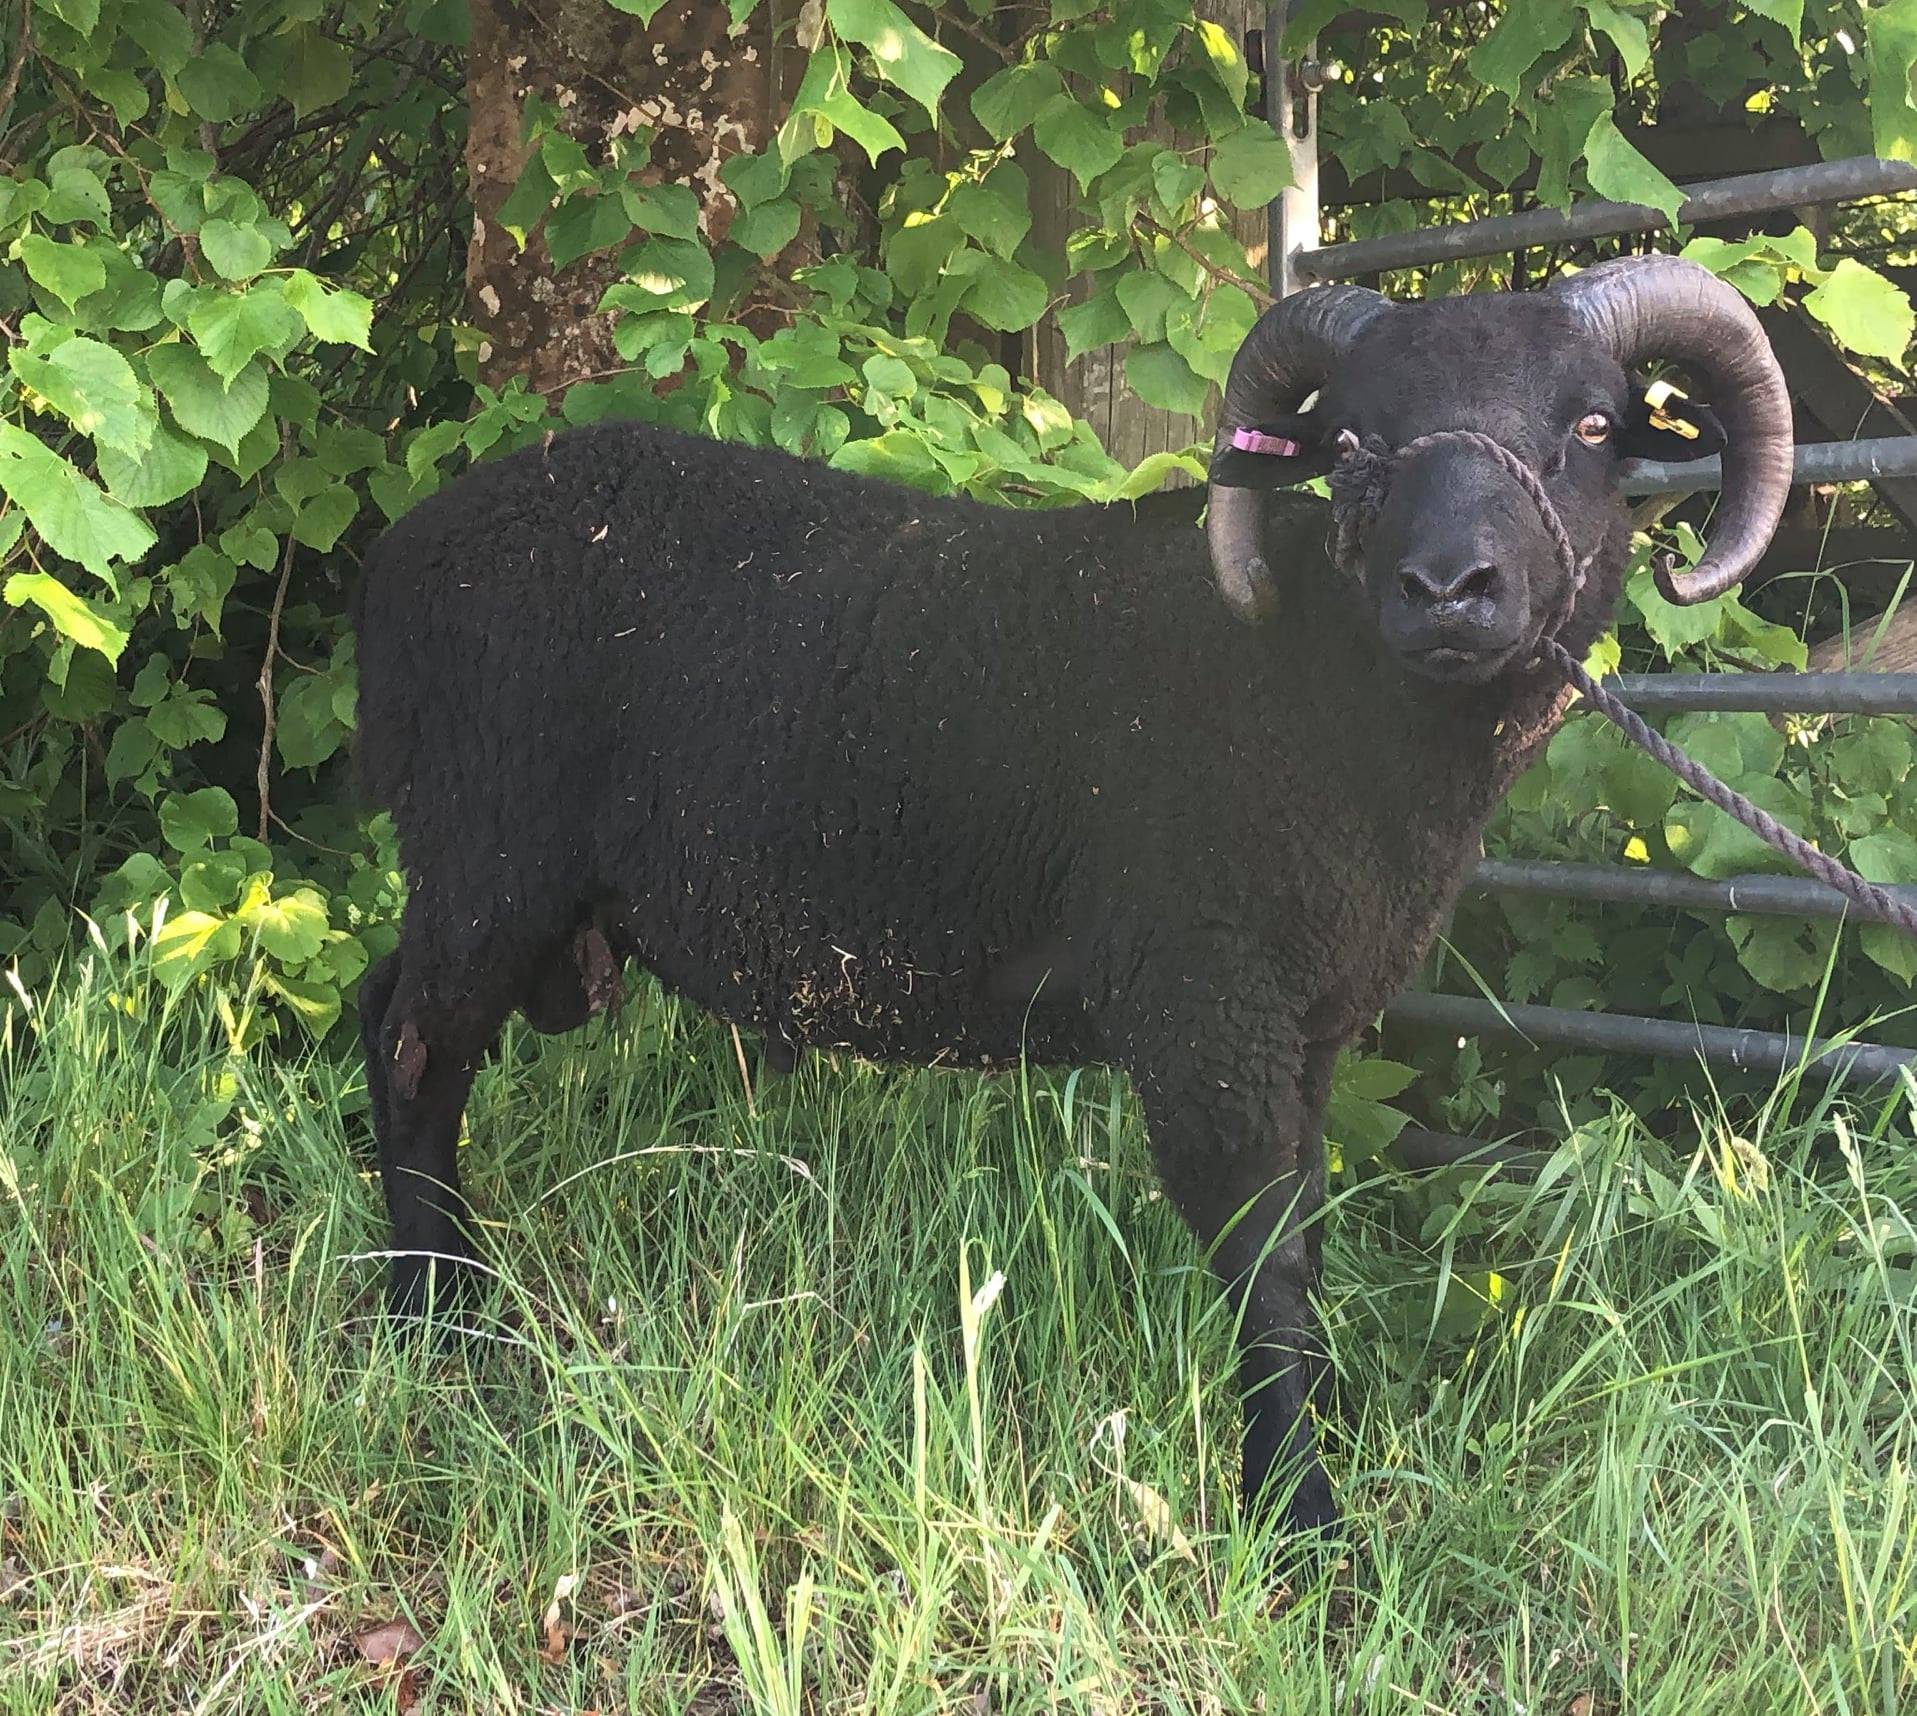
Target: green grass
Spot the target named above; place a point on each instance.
(756, 1399)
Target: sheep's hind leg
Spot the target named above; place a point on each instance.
(428, 1050)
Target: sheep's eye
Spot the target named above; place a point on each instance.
(1594, 429)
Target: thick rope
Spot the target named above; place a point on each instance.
(1358, 485)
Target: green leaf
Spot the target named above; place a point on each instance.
(1003, 295)
(644, 10)
(1226, 61)
(1151, 474)
(1704, 840)
(1079, 138)
(171, 467)
(1160, 377)
(161, 29)
(672, 211)
(73, 517)
(68, 271)
(93, 387)
(310, 70)
(324, 518)
(72, 615)
(1864, 311)
(806, 355)
(1251, 167)
(233, 328)
(582, 225)
(1789, 13)
(211, 882)
(996, 211)
(1619, 171)
(218, 84)
(1525, 33)
(1673, 629)
(335, 315)
(904, 54)
(1100, 321)
(1146, 296)
(76, 196)
(767, 229)
(190, 943)
(201, 403)
(190, 821)
(1891, 51)
(82, 16)
(187, 718)
(291, 928)
(315, 1003)
(200, 583)
(308, 730)
(899, 455)
(237, 252)
(753, 179)
(825, 96)
(1782, 954)
(1372, 1079)
(662, 274)
(526, 204)
(1008, 101)
(1175, 180)
(1627, 33)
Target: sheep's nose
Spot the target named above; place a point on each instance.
(1436, 585)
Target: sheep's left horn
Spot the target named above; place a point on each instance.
(1663, 306)
(1288, 354)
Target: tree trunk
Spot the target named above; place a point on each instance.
(706, 92)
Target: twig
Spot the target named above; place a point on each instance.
(10, 86)
(266, 688)
(1230, 276)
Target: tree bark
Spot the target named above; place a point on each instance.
(705, 90)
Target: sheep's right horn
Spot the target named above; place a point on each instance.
(1663, 306)
(1288, 354)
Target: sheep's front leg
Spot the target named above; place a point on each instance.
(1239, 1144)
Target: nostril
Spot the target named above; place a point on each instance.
(1478, 584)
(1423, 585)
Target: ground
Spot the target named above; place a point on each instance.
(905, 1393)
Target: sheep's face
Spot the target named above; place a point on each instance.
(1458, 566)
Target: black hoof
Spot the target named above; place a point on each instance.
(1304, 1510)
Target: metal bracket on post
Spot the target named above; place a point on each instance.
(1291, 105)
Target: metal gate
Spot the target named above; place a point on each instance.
(1296, 259)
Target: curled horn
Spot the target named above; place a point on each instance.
(1288, 354)
(1662, 306)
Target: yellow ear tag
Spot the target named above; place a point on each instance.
(1656, 397)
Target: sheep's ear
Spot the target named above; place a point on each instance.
(1275, 454)
(1667, 426)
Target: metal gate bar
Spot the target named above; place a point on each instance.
(1713, 199)
(1814, 462)
(1770, 693)
(1624, 1033)
(1761, 896)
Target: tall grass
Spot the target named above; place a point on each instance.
(898, 1392)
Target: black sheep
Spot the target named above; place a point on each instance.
(941, 783)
